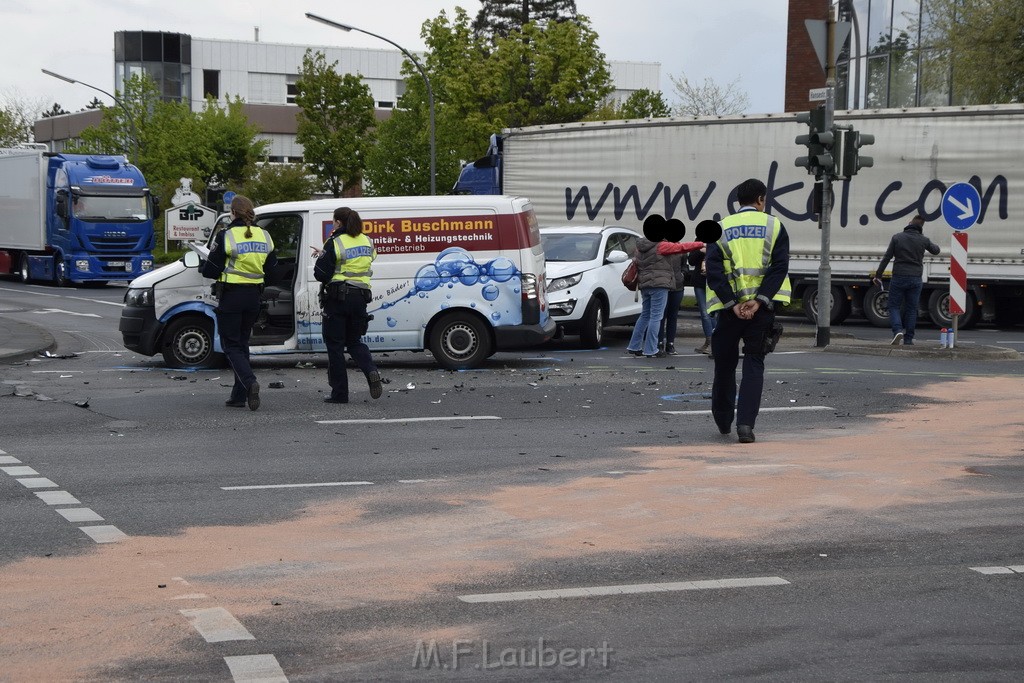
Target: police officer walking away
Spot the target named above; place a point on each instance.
(747, 273)
(907, 248)
(344, 269)
(241, 255)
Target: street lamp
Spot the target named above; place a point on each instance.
(416, 63)
(127, 112)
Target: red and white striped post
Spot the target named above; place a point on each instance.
(957, 279)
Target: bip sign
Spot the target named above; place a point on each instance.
(189, 222)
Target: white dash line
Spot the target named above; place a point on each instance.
(383, 420)
(216, 624)
(1018, 569)
(79, 515)
(20, 471)
(8, 460)
(104, 533)
(256, 669)
(417, 481)
(628, 589)
(747, 467)
(58, 498)
(296, 486)
(190, 596)
(763, 410)
(38, 483)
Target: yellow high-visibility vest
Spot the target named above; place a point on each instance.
(748, 238)
(355, 255)
(245, 255)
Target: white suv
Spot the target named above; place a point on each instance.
(584, 279)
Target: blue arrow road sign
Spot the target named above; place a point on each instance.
(961, 205)
(228, 196)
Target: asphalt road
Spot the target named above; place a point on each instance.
(559, 513)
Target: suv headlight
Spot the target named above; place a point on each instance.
(139, 297)
(564, 282)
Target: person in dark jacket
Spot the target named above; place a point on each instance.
(906, 251)
(670, 322)
(239, 259)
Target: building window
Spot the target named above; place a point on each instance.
(877, 95)
(211, 84)
(385, 105)
(292, 89)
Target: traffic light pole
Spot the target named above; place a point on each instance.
(824, 303)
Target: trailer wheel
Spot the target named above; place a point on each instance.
(592, 330)
(460, 341)
(876, 306)
(938, 310)
(839, 305)
(60, 271)
(23, 272)
(188, 343)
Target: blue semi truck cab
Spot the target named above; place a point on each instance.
(484, 175)
(74, 218)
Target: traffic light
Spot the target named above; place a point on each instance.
(847, 151)
(818, 141)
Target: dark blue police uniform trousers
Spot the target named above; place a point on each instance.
(237, 310)
(344, 323)
(725, 343)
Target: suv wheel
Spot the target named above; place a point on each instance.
(592, 326)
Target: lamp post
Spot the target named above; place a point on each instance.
(127, 112)
(419, 67)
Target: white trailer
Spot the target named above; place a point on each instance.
(619, 172)
(22, 199)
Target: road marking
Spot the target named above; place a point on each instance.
(746, 467)
(54, 372)
(38, 483)
(1015, 569)
(417, 481)
(383, 420)
(296, 486)
(104, 533)
(21, 471)
(58, 498)
(628, 589)
(44, 311)
(61, 296)
(216, 624)
(763, 410)
(256, 669)
(190, 596)
(8, 460)
(79, 515)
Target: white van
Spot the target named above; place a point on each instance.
(462, 276)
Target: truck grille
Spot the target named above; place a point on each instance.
(99, 243)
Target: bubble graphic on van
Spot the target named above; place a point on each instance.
(392, 322)
(456, 273)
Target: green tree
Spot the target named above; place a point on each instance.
(645, 104)
(16, 118)
(335, 122)
(499, 18)
(55, 110)
(271, 183)
(984, 43)
(233, 145)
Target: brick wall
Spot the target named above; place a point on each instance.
(803, 71)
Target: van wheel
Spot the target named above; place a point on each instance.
(23, 271)
(876, 306)
(460, 341)
(188, 343)
(592, 330)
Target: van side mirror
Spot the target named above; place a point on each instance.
(191, 259)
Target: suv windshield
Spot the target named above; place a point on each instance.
(569, 247)
(106, 208)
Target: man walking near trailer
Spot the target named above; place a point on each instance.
(906, 250)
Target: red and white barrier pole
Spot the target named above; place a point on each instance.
(957, 280)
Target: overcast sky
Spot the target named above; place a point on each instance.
(724, 40)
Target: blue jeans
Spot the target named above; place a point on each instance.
(670, 323)
(904, 298)
(645, 332)
(707, 320)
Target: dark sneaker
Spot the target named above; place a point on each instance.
(373, 379)
(232, 403)
(745, 433)
(254, 396)
(671, 350)
(659, 354)
(897, 340)
(331, 399)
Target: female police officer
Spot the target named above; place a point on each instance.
(241, 255)
(344, 269)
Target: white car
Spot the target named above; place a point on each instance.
(584, 285)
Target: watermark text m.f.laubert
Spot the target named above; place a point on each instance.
(486, 655)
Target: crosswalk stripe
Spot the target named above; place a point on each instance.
(628, 589)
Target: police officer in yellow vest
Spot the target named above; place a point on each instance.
(344, 268)
(747, 274)
(240, 257)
